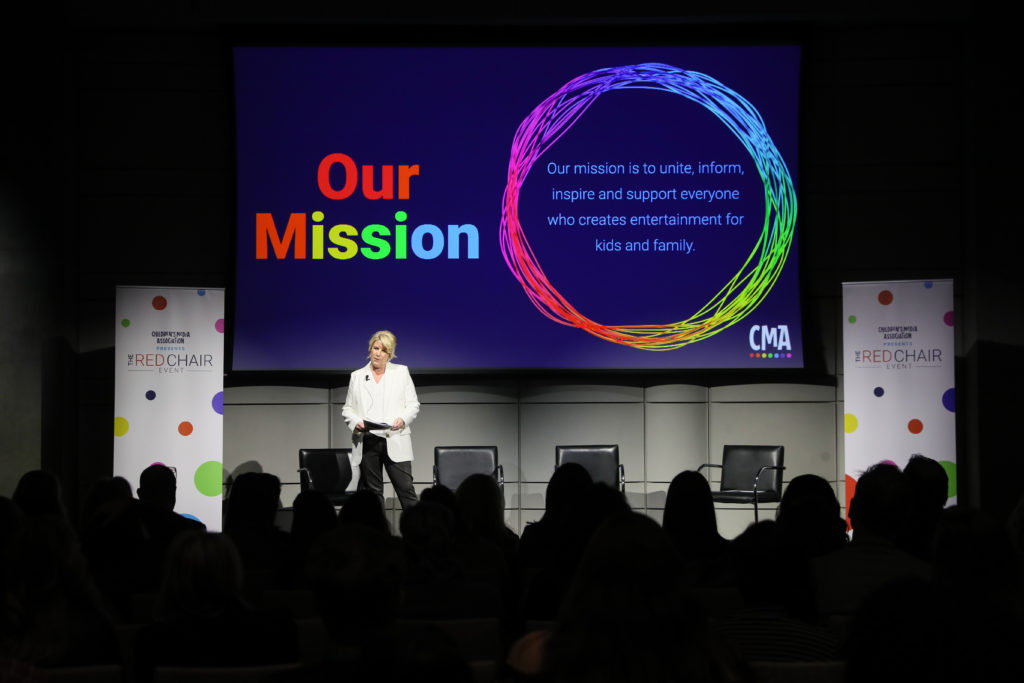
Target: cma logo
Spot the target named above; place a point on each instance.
(763, 337)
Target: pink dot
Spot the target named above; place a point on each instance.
(885, 297)
(219, 325)
(948, 318)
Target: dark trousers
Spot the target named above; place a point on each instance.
(375, 459)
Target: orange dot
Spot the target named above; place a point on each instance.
(885, 297)
(185, 428)
(159, 303)
(915, 426)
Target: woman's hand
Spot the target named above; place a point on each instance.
(399, 424)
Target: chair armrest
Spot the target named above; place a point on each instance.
(435, 475)
(305, 478)
(761, 471)
(708, 464)
(501, 475)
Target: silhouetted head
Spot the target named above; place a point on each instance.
(689, 510)
(929, 480)
(202, 576)
(313, 515)
(481, 505)
(973, 552)
(38, 494)
(881, 502)
(253, 502)
(363, 508)
(809, 517)
(442, 495)
(427, 528)
(158, 486)
(569, 486)
(623, 618)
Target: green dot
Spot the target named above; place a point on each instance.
(950, 468)
(209, 478)
(852, 318)
(125, 322)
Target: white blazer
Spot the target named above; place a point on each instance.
(399, 401)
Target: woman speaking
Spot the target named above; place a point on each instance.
(380, 406)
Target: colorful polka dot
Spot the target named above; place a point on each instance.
(879, 391)
(948, 318)
(120, 426)
(185, 428)
(851, 487)
(888, 462)
(218, 403)
(159, 303)
(219, 325)
(915, 426)
(949, 400)
(209, 478)
(193, 517)
(928, 284)
(150, 395)
(885, 297)
(849, 423)
(852, 318)
(950, 468)
(201, 292)
(125, 322)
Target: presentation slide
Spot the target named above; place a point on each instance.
(514, 208)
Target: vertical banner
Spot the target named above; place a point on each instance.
(169, 392)
(898, 364)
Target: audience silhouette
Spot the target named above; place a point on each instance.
(592, 591)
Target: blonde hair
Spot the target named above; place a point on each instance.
(386, 339)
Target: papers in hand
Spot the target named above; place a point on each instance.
(371, 426)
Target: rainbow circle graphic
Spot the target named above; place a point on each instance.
(738, 297)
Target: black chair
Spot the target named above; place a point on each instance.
(602, 462)
(750, 474)
(452, 464)
(327, 470)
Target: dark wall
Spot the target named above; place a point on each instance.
(122, 174)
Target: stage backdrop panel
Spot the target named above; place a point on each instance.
(898, 362)
(169, 392)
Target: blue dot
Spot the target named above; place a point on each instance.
(201, 292)
(150, 395)
(188, 516)
(218, 403)
(928, 285)
(949, 400)
(879, 391)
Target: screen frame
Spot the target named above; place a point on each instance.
(538, 35)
